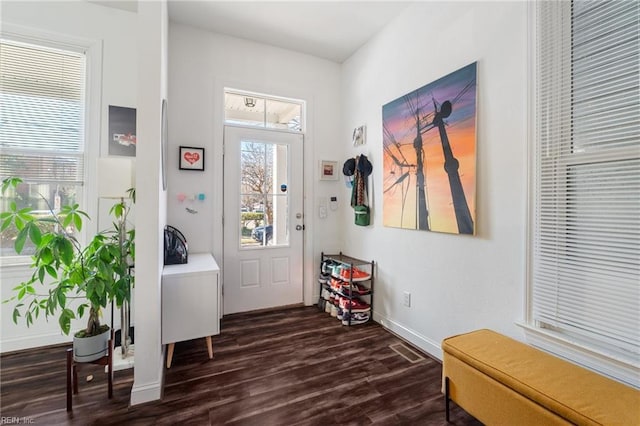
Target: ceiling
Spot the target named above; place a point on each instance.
(332, 30)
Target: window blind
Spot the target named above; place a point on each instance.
(42, 104)
(586, 234)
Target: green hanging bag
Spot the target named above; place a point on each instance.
(362, 215)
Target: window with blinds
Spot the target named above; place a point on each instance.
(42, 107)
(586, 230)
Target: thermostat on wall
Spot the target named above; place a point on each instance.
(333, 203)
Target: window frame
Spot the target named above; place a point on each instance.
(92, 49)
(565, 346)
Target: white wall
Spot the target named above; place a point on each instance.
(151, 201)
(457, 283)
(114, 31)
(201, 65)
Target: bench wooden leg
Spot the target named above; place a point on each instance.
(446, 398)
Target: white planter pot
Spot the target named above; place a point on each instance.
(87, 349)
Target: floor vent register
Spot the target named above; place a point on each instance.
(406, 353)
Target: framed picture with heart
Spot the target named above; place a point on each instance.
(191, 158)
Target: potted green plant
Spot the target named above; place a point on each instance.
(64, 270)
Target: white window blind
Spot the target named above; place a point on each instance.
(42, 101)
(586, 234)
(42, 131)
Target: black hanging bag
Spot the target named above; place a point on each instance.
(175, 246)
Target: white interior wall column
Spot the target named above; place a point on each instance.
(151, 201)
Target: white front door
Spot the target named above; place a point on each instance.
(263, 223)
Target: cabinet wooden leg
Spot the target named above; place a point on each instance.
(210, 347)
(170, 354)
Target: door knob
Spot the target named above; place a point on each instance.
(299, 227)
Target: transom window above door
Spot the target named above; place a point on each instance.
(259, 110)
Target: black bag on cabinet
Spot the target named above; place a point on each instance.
(175, 246)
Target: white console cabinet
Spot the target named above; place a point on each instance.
(190, 302)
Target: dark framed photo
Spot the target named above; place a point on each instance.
(191, 158)
(122, 131)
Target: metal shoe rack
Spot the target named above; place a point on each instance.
(350, 292)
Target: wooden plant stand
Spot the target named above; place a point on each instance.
(72, 372)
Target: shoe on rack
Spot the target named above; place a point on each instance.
(325, 294)
(357, 289)
(327, 307)
(337, 299)
(324, 278)
(327, 266)
(336, 284)
(355, 305)
(336, 270)
(334, 311)
(354, 274)
(356, 318)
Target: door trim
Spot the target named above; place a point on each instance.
(310, 253)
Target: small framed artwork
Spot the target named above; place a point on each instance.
(191, 158)
(328, 170)
(359, 136)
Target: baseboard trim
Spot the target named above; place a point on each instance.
(141, 394)
(411, 336)
(146, 393)
(31, 342)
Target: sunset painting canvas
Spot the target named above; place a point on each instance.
(429, 141)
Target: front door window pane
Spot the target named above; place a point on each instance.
(264, 205)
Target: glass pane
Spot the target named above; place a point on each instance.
(264, 205)
(243, 109)
(254, 168)
(279, 207)
(278, 169)
(284, 115)
(605, 70)
(252, 220)
(37, 197)
(269, 164)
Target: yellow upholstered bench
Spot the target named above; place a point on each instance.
(501, 381)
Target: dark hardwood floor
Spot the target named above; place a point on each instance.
(293, 366)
